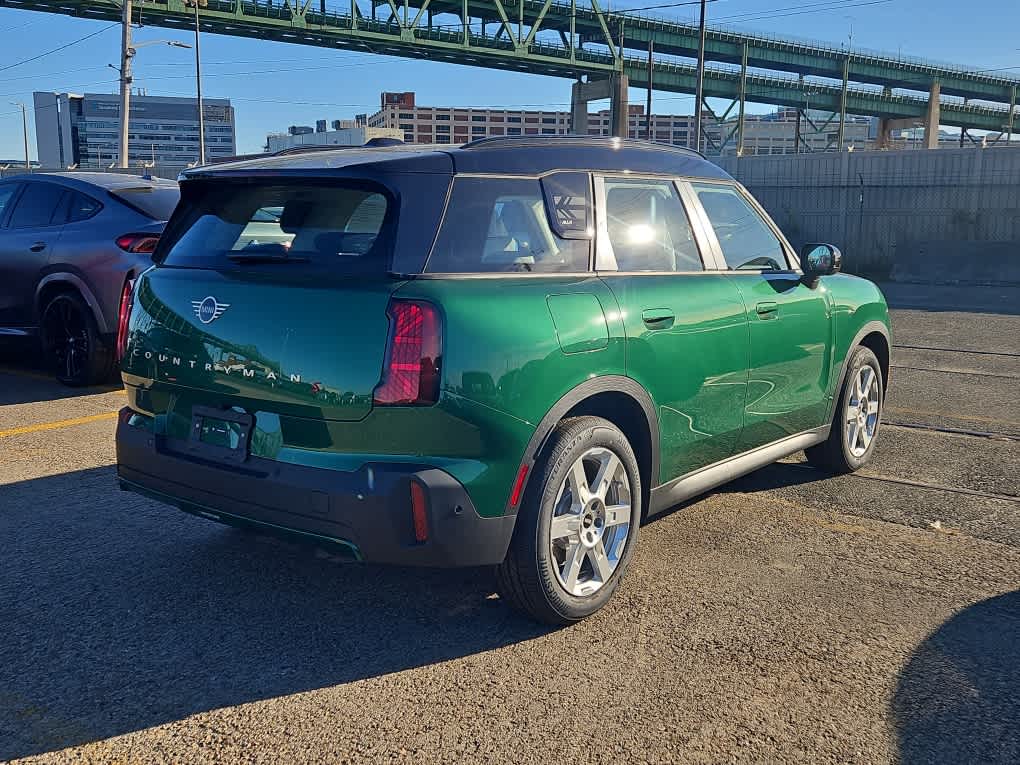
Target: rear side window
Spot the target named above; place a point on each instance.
(229, 225)
(495, 225)
(746, 240)
(648, 228)
(37, 205)
(156, 202)
(80, 207)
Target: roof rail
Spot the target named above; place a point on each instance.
(569, 139)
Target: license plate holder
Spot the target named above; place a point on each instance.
(219, 434)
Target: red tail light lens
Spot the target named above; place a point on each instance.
(144, 244)
(411, 371)
(126, 301)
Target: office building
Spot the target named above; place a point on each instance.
(343, 133)
(84, 130)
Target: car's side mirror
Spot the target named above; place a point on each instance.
(817, 260)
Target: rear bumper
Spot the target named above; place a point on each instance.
(367, 511)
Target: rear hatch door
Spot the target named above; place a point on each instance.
(274, 292)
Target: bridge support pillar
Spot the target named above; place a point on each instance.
(931, 119)
(615, 89)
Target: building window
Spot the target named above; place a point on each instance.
(548, 131)
(406, 116)
(478, 118)
(478, 129)
(548, 120)
(513, 131)
(405, 126)
(531, 131)
(442, 139)
(492, 118)
(531, 120)
(442, 128)
(460, 118)
(443, 117)
(513, 119)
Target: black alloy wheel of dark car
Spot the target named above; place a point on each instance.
(72, 343)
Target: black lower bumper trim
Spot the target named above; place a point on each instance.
(367, 511)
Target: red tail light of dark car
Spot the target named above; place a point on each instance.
(144, 244)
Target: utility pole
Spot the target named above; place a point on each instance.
(198, 89)
(700, 86)
(126, 54)
(648, 101)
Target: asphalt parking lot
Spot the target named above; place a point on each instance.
(788, 617)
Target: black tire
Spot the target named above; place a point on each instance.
(527, 579)
(834, 454)
(72, 345)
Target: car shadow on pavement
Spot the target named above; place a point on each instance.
(119, 614)
(25, 379)
(958, 698)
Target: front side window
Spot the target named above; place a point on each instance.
(648, 228)
(37, 205)
(746, 240)
(497, 225)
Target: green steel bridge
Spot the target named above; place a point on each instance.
(565, 39)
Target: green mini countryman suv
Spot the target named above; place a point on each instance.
(506, 354)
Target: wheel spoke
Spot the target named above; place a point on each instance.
(600, 562)
(577, 480)
(565, 527)
(607, 472)
(617, 515)
(851, 412)
(873, 407)
(572, 566)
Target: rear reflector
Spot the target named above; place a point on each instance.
(419, 514)
(141, 243)
(515, 495)
(411, 370)
(126, 302)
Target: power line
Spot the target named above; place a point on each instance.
(57, 49)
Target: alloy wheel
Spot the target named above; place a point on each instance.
(591, 522)
(67, 337)
(862, 409)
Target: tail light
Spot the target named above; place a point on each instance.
(126, 301)
(144, 244)
(411, 370)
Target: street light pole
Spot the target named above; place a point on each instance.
(700, 86)
(24, 127)
(126, 54)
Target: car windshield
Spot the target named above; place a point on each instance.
(156, 202)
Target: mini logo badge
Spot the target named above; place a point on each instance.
(209, 309)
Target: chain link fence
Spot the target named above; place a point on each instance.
(943, 216)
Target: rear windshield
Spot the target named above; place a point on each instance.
(156, 202)
(298, 224)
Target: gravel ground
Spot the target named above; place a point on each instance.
(787, 617)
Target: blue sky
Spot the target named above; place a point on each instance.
(273, 85)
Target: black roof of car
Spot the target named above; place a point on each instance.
(523, 155)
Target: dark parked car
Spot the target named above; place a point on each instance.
(510, 354)
(70, 244)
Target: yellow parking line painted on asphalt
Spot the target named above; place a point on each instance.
(58, 424)
(990, 420)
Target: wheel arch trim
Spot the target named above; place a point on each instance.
(868, 328)
(578, 394)
(81, 287)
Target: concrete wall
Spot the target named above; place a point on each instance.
(951, 215)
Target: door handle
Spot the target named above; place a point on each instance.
(768, 310)
(38, 247)
(658, 318)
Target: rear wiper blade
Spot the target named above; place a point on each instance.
(265, 257)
